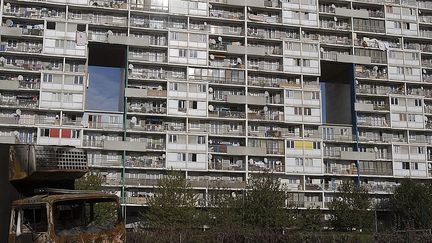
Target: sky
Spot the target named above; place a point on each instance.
(105, 90)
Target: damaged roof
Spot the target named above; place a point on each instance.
(46, 198)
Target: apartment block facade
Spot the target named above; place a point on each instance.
(315, 91)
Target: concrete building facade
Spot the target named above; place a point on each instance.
(316, 91)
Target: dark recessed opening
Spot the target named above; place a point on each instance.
(105, 90)
(107, 55)
(336, 86)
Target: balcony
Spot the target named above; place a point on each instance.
(144, 162)
(227, 114)
(21, 47)
(266, 116)
(222, 183)
(370, 72)
(116, 4)
(33, 12)
(222, 163)
(226, 14)
(263, 165)
(146, 108)
(21, 102)
(313, 187)
(140, 182)
(19, 30)
(139, 92)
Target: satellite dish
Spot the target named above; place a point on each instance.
(322, 49)
(131, 66)
(356, 81)
(265, 160)
(210, 6)
(2, 59)
(249, 9)
(212, 41)
(109, 32)
(278, 162)
(266, 93)
(9, 23)
(375, 68)
(265, 108)
(210, 90)
(335, 19)
(333, 6)
(375, 149)
(424, 71)
(159, 87)
(211, 108)
(212, 56)
(210, 141)
(239, 60)
(8, 4)
(251, 161)
(18, 112)
(220, 38)
(16, 133)
(163, 156)
(210, 156)
(20, 78)
(134, 120)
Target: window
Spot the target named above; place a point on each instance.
(405, 165)
(193, 53)
(172, 138)
(202, 88)
(181, 157)
(289, 93)
(48, 78)
(193, 105)
(44, 132)
(290, 144)
(173, 86)
(78, 80)
(182, 104)
(201, 140)
(299, 162)
(75, 134)
(418, 102)
(411, 118)
(402, 117)
(51, 25)
(34, 219)
(394, 101)
(308, 162)
(297, 110)
(182, 53)
(420, 150)
(315, 95)
(307, 111)
(174, 36)
(193, 157)
(414, 166)
(316, 145)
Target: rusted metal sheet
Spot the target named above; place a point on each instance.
(116, 233)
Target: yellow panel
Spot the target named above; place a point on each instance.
(298, 144)
(308, 144)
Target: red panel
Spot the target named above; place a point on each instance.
(66, 133)
(54, 133)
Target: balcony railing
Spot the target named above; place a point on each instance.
(228, 114)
